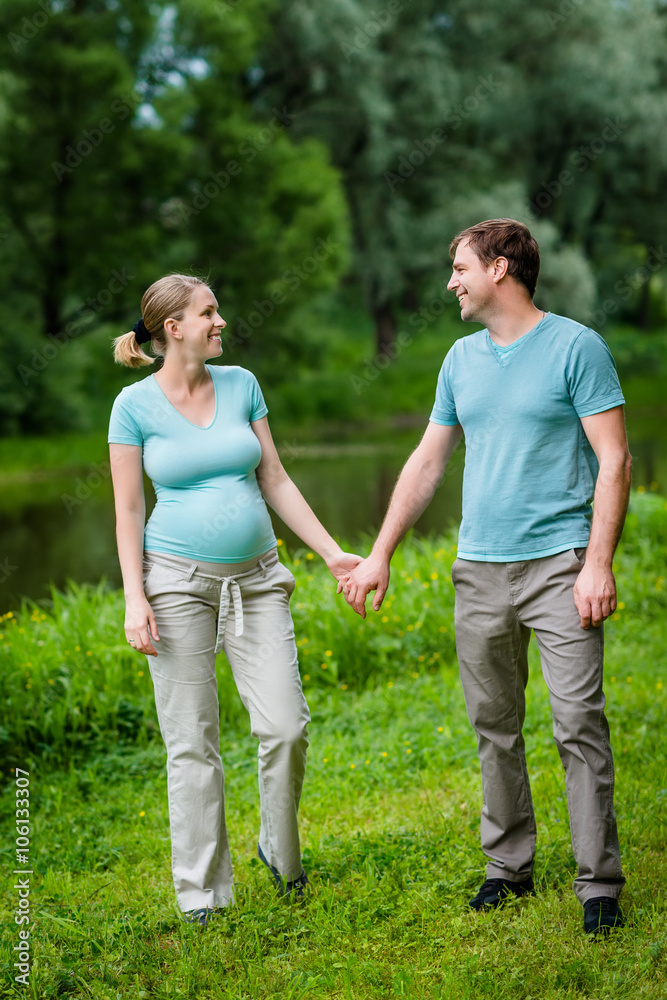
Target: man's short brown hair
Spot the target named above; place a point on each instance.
(504, 238)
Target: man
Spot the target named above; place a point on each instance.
(538, 399)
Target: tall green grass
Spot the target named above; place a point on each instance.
(70, 683)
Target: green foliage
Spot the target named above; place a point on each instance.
(70, 681)
(118, 131)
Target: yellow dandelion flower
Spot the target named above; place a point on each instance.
(142, 813)
(408, 751)
(385, 619)
(628, 680)
(641, 489)
(659, 685)
(306, 677)
(309, 555)
(325, 760)
(77, 649)
(324, 666)
(411, 628)
(384, 753)
(621, 605)
(441, 729)
(612, 679)
(141, 673)
(327, 652)
(434, 576)
(367, 762)
(279, 541)
(353, 766)
(390, 684)
(616, 617)
(421, 659)
(343, 687)
(414, 674)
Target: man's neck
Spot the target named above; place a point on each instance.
(507, 326)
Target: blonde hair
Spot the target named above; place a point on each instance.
(167, 298)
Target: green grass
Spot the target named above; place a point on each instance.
(389, 816)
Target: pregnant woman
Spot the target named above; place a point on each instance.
(203, 575)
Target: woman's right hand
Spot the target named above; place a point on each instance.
(140, 626)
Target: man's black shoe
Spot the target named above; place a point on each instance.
(601, 913)
(202, 916)
(293, 889)
(495, 890)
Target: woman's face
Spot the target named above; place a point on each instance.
(202, 324)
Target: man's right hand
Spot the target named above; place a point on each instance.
(371, 574)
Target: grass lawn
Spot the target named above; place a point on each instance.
(389, 816)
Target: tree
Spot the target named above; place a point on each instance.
(115, 122)
(376, 88)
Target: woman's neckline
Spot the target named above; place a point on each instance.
(182, 415)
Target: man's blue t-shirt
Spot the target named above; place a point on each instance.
(530, 471)
(208, 502)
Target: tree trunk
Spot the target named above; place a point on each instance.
(385, 327)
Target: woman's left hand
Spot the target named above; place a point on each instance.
(343, 563)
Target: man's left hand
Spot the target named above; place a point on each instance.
(595, 594)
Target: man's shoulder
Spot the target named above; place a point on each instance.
(567, 328)
(471, 341)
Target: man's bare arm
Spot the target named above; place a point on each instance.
(412, 494)
(595, 589)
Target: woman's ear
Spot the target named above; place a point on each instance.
(171, 328)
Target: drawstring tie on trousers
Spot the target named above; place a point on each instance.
(230, 589)
(223, 613)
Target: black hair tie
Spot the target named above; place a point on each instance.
(140, 331)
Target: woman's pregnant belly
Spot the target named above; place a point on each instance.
(223, 522)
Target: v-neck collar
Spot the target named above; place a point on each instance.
(505, 357)
(181, 415)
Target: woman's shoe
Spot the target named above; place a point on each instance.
(294, 887)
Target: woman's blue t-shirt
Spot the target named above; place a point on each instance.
(530, 471)
(208, 502)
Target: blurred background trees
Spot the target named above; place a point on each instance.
(284, 149)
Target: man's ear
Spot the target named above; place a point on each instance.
(500, 268)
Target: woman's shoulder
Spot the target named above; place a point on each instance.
(231, 373)
(136, 391)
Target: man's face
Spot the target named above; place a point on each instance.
(473, 283)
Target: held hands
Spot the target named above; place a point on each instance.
(371, 574)
(595, 594)
(340, 564)
(140, 626)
